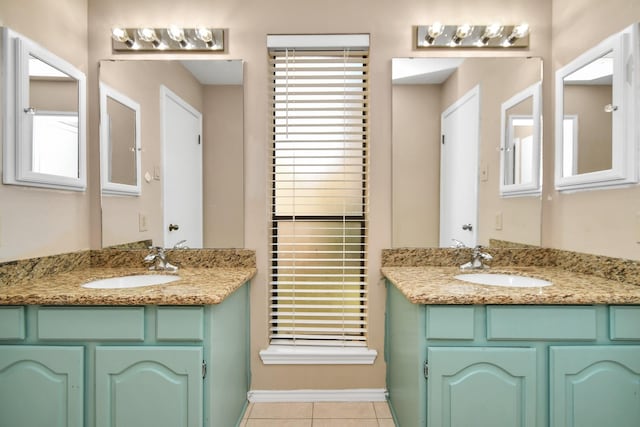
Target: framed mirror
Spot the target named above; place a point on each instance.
(520, 147)
(191, 132)
(45, 137)
(430, 101)
(595, 128)
(120, 150)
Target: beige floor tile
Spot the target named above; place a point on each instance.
(343, 410)
(382, 409)
(286, 422)
(291, 410)
(243, 423)
(386, 422)
(343, 422)
(247, 411)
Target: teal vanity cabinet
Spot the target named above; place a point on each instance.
(512, 365)
(125, 366)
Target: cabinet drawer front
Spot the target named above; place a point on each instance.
(450, 322)
(624, 323)
(180, 324)
(12, 325)
(91, 323)
(541, 323)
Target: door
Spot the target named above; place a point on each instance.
(460, 124)
(149, 386)
(474, 386)
(182, 166)
(595, 386)
(41, 386)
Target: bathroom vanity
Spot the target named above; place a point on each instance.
(171, 354)
(464, 354)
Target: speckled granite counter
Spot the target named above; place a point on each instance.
(427, 277)
(206, 277)
(436, 285)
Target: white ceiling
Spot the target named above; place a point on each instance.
(217, 72)
(411, 71)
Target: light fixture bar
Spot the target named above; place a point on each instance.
(494, 35)
(170, 39)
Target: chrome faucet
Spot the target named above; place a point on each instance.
(477, 260)
(159, 259)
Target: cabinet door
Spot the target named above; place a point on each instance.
(149, 386)
(472, 386)
(41, 386)
(595, 386)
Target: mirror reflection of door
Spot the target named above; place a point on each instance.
(519, 151)
(459, 170)
(182, 184)
(53, 110)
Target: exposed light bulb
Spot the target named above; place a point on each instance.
(463, 31)
(121, 35)
(490, 32)
(205, 35)
(177, 34)
(519, 31)
(148, 35)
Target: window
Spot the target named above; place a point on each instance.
(319, 196)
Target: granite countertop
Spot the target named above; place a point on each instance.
(437, 285)
(197, 286)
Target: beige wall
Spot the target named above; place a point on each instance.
(141, 81)
(223, 171)
(600, 221)
(36, 222)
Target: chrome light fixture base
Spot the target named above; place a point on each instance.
(170, 39)
(472, 36)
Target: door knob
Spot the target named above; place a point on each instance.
(173, 227)
(467, 227)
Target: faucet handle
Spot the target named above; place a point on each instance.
(457, 244)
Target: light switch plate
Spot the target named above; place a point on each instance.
(143, 222)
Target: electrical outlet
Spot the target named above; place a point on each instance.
(637, 228)
(484, 172)
(143, 222)
(499, 221)
(156, 172)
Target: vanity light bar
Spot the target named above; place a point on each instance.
(172, 38)
(439, 35)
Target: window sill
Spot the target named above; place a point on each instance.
(310, 355)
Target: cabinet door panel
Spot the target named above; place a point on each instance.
(150, 386)
(41, 386)
(595, 386)
(470, 387)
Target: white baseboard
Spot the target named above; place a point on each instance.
(348, 395)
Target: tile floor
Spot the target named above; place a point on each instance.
(319, 414)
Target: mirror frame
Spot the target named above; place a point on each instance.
(626, 57)
(535, 186)
(107, 186)
(17, 142)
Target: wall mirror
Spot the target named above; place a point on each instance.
(427, 93)
(520, 148)
(44, 137)
(595, 130)
(191, 154)
(119, 143)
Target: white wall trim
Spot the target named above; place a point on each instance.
(348, 395)
(311, 355)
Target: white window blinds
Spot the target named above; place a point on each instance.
(319, 197)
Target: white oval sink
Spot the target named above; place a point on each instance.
(137, 281)
(507, 280)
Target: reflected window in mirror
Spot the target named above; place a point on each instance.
(520, 148)
(120, 163)
(44, 140)
(596, 96)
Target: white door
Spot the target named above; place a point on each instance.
(460, 124)
(182, 166)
